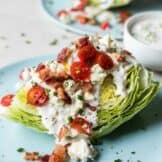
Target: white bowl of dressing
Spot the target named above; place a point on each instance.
(143, 38)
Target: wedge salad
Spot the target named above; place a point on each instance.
(92, 88)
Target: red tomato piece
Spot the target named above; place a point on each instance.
(104, 61)
(37, 96)
(82, 126)
(87, 54)
(105, 25)
(79, 71)
(63, 132)
(7, 100)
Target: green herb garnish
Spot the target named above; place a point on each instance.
(20, 149)
(118, 160)
(80, 97)
(34, 83)
(80, 111)
(70, 119)
(55, 93)
(54, 42)
(47, 91)
(28, 42)
(133, 152)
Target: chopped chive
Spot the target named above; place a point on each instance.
(20, 149)
(80, 97)
(133, 152)
(55, 93)
(80, 111)
(118, 160)
(70, 119)
(54, 42)
(28, 42)
(47, 91)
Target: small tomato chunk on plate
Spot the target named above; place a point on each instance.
(37, 96)
(7, 100)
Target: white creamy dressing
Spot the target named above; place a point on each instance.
(149, 32)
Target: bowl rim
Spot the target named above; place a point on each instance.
(135, 18)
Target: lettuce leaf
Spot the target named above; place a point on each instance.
(116, 110)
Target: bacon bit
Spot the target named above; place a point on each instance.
(81, 19)
(119, 57)
(124, 15)
(105, 25)
(46, 75)
(32, 156)
(62, 12)
(63, 55)
(61, 76)
(56, 84)
(40, 67)
(82, 126)
(87, 86)
(63, 132)
(59, 154)
(82, 42)
(63, 95)
(44, 158)
(92, 108)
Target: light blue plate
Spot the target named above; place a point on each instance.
(139, 139)
(53, 6)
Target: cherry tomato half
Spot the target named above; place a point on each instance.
(87, 54)
(104, 61)
(7, 100)
(79, 71)
(37, 96)
(82, 126)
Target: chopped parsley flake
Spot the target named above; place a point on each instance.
(80, 111)
(20, 149)
(47, 91)
(34, 83)
(28, 42)
(118, 160)
(54, 42)
(55, 93)
(139, 161)
(70, 119)
(80, 97)
(133, 152)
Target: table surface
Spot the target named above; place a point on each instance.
(27, 31)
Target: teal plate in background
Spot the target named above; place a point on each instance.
(139, 139)
(53, 6)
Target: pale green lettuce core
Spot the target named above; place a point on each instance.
(113, 110)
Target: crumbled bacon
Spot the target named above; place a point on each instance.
(44, 158)
(87, 86)
(63, 55)
(63, 132)
(82, 42)
(40, 67)
(61, 76)
(119, 57)
(46, 75)
(63, 95)
(59, 154)
(32, 156)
